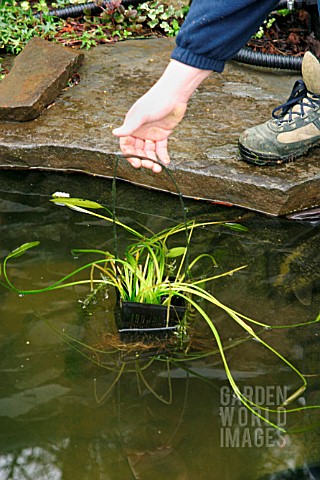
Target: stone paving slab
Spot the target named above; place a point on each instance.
(38, 75)
(75, 133)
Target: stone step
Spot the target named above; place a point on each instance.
(39, 74)
(75, 134)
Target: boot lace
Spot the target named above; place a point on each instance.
(301, 97)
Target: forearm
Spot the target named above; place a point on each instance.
(179, 81)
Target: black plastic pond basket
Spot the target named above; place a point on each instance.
(144, 322)
(148, 323)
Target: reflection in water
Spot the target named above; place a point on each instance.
(298, 270)
(306, 472)
(36, 462)
(53, 427)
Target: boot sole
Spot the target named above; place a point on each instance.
(270, 161)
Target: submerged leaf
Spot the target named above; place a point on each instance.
(237, 227)
(176, 252)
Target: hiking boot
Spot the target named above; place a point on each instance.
(295, 126)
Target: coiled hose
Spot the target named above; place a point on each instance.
(76, 10)
(268, 60)
(245, 55)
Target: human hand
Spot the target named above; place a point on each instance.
(145, 131)
(149, 122)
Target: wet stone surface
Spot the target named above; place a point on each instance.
(75, 134)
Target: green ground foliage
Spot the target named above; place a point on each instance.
(20, 21)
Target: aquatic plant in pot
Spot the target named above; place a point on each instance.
(145, 275)
(148, 277)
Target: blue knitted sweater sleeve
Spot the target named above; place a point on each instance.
(215, 30)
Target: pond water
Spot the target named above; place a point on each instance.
(65, 417)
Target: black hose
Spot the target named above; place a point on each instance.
(77, 10)
(72, 10)
(249, 57)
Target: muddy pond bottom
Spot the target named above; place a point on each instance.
(73, 405)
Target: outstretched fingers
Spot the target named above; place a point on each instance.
(145, 153)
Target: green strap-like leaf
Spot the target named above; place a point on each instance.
(76, 202)
(22, 249)
(176, 252)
